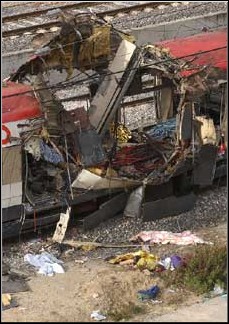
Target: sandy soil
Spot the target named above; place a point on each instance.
(98, 285)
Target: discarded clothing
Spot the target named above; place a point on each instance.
(142, 259)
(49, 154)
(97, 316)
(171, 263)
(150, 293)
(176, 261)
(45, 262)
(164, 237)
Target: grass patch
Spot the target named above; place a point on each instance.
(205, 267)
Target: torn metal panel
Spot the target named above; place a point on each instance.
(157, 192)
(11, 160)
(88, 180)
(185, 122)
(107, 210)
(166, 207)
(90, 148)
(12, 176)
(204, 171)
(50, 105)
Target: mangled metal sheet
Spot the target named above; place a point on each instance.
(204, 171)
(111, 91)
(90, 146)
(88, 180)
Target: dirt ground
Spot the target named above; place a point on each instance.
(112, 289)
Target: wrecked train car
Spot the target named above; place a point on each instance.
(89, 158)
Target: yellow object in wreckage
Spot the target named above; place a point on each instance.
(142, 259)
(123, 134)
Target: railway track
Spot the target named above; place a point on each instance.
(40, 12)
(25, 26)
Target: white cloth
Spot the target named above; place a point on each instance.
(46, 263)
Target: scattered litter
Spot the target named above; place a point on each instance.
(150, 293)
(45, 262)
(166, 263)
(142, 259)
(146, 272)
(218, 290)
(97, 316)
(8, 302)
(61, 226)
(6, 299)
(88, 247)
(35, 240)
(96, 295)
(171, 263)
(80, 261)
(164, 237)
(176, 261)
(70, 251)
(156, 301)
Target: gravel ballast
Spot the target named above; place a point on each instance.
(210, 211)
(140, 19)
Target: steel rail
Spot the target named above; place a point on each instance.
(25, 15)
(103, 14)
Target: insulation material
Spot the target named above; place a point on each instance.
(206, 130)
(101, 46)
(95, 46)
(33, 147)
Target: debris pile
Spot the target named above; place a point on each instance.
(87, 157)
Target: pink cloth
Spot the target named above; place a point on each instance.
(164, 237)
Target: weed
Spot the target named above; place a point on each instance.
(204, 268)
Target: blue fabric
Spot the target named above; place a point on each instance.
(150, 293)
(49, 154)
(163, 129)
